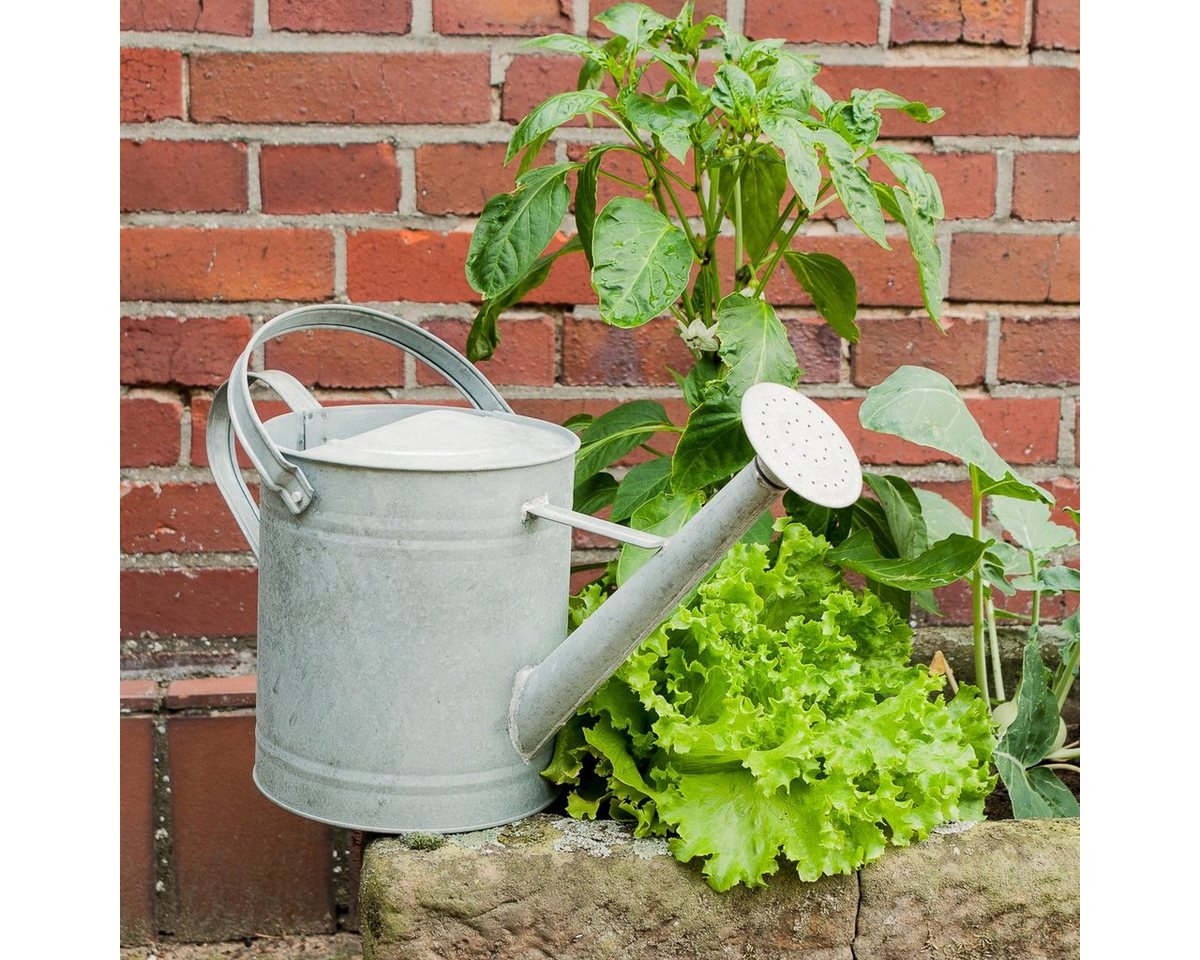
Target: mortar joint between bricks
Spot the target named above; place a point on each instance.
(884, 37)
(166, 895)
(580, 19)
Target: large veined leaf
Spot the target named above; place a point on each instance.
(763, 183)
(635, 22)
(853, 187)
(515, 228)
(754, 343)
(585, 199)
(922, 241)
(1030, 525)
(643, 482)
(595, 493)
(610, 437)
(669, 119)
(568, 43)
(942, 564)
(713, 445)
(641, 262)
(550, 114)
(832, 287)
(941, 517)
(906, 525)
(922, 188)
(1036, 791)
(799, 148)
(733, 91)
(922, 406)
(664, 515)
(484, 338)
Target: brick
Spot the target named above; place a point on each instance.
(1039, 350)
(885, 278)
(199, 414)
(501, 17)
(526, 354)
(176, 176)
(326, 178)
(960, 354)
(416, 265)
(138, 695)
(189, 263)
(212, 692)
(955, 21)
(818, 348)
(460, 177)
(151, 85)
(243, 866)
(595, 352)
(341, 16)
(1046, 186)
(1065, 491)
(191, 351)
(668, 8)
(149, 431)
(987, 101)
(231, 17)
(137, 830)
(848, 21)
(340, 87)
(337, 358)
(1022, 430)
(176, 518)
(189, 603)
(1056, 24)
(967, 182)
(1015, 267)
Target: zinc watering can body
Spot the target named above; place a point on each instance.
(414, 564)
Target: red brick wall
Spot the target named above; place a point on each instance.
(277, 152)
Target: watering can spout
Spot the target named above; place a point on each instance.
(797, 446)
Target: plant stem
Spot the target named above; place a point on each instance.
(1062, 766)
(640, 187)
(1062, 686)
(981, 677)
(737, 226)
(997, 672)
(780, 250)
(1035, 617)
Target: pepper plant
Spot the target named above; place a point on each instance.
(760, 148)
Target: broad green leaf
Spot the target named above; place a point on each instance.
(922, 188)
(1033, 730)
(1009, 486)
(643, 482)
(868, 515)
(634, 21)
(1031, 526)
(585, 200)
(789, 86)
(1036, 792)
(550, 114)
(668, 120)
(940, 565)
(922, 241)
(886, 100)
(832, 287)
(713, 444)
(855, 120)
(579, 422)
(568, 43)
(483, 338)
(664, 515)
(595, 493)
(610, 437)
(754, 344)
(1052, 579)
(942, 518)
(903, 512)
(642, 262)
(764, 181)
(800, 159)
(733, 91)
(853, 187)
(922, 406)
(695, 383)
(515, 228)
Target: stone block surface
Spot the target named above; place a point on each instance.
(553, 887)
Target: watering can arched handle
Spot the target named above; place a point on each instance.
(233, 414)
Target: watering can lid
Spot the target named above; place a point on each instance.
(444, 438)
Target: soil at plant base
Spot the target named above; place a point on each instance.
(336, 946)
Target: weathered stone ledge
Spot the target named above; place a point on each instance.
(548, 887)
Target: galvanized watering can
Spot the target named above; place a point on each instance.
(414, 565)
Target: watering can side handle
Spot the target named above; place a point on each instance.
(278, 473)
(221, 444)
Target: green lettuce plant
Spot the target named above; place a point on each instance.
(776, 715)
(759, 148)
